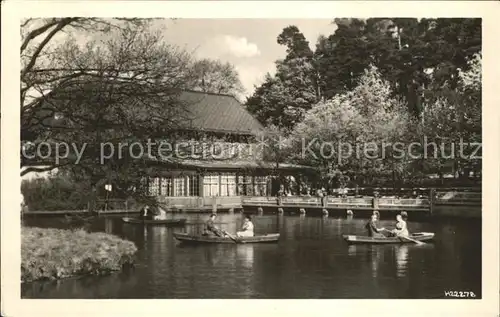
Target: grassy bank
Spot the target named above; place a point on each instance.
(56, 253)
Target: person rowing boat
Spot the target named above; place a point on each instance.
(211, 229)
(373, 231)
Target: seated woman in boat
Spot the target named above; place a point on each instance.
(247, 228)
(161, 214)
(376, 213)
(401, 228)
(211, 229)
(373, 231)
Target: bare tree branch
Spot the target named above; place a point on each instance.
(36, 32)
(60, 25)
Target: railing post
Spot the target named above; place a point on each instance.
(375, 202)
(432, 197)
(214, 204)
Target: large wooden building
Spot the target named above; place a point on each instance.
(235, 165)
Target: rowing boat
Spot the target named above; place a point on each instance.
(187, 238)
(171, 222)
(419, 236)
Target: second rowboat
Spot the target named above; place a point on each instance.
(169, 222)
(419, 236)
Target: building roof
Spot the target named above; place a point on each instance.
(217, 112)
(200, 112)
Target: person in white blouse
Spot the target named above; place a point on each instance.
(247, 228)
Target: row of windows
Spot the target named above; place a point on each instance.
(216, 184)
(183, 186)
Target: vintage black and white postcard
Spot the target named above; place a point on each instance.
(223, 150)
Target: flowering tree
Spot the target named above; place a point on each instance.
(452, 119)
(354, 132)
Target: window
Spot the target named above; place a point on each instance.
(179, 186)
(260, 186)
(211, 185)
(143, 186)
(166, 186)
(193, 185)
(245, 185)
(228, 184)
(154, 186)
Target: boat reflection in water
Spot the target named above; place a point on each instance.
(245, 255)
(380, 255)
(402, 259)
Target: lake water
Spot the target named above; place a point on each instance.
(311, 260)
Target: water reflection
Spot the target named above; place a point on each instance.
(352, 250)
(376, 255)
(311, 260)
(245, 255)
(108, 225)
(401, 260)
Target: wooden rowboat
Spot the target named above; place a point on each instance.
(170, 222)
(199, 239)
(419, 236)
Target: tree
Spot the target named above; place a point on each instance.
(127, 91)
(41, 71)
(452, 116)
(354, 133)
(217, 77)
(404, 50)
(341, 57)
(283, 99)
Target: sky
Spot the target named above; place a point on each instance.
(249, 44)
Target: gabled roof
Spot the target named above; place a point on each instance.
(217, 112)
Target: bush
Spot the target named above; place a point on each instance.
(56, 253)
(57, 192)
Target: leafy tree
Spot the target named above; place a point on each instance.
(403, 49)
(341, 57)
(282, 100)
(452, 116)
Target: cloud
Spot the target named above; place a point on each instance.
(232, 45)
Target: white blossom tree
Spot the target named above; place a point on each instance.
(354, 132)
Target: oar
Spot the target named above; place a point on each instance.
(202, 223)
(231, 237)
(413, 240)
(408, 238)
